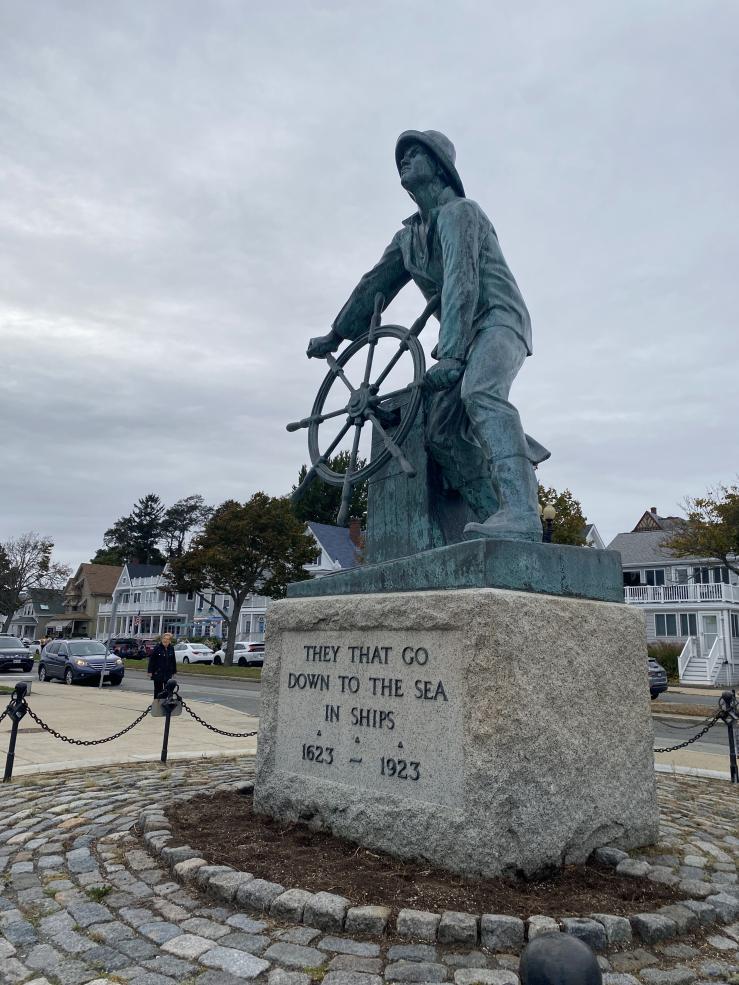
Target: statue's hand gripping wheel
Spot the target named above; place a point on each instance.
(367, 404)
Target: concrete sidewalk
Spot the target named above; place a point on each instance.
(89, 713)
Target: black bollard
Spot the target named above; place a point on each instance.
(171, 703)
(730, 714)
(558, 959)
(17, 708)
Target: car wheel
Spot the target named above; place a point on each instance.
(42, 673)
(654, 695)
(116, 681)
(186, 660)
(217, 661)
(68, 676)
(243, 662)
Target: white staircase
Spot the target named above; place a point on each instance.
(697, 667)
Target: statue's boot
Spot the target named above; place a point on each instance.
(518, 516)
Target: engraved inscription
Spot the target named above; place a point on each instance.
(382, 714)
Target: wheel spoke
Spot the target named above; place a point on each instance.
(391, 446)
(316, 419)
(391, 365)
(338, 371)
(381, 398)
(346, 491)
(374, 325)
(334, 443)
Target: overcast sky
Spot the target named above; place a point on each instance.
(190, 189)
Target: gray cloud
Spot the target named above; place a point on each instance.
(189, 191)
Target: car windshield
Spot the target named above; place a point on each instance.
(10, 643)
(87, 648)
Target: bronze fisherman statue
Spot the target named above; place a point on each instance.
(450, 248)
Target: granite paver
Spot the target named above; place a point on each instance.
(84, 898)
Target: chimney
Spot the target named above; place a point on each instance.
(355, 531)
(653, 509)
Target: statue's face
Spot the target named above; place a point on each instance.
(417, 167)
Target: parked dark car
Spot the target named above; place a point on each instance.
(657, 679)
(14, 654)
(145, 648)
(125, 646)
(73, 661)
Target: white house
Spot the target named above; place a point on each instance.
(693, 602)
(145, 606)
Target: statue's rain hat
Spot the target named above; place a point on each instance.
(439, 145)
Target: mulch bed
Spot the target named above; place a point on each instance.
(225, 831)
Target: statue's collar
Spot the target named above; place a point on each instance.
(446, 196)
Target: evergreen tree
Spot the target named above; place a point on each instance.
(321, 502)
(256, 547)
(569, 524)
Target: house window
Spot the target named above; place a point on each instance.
(190, 596)
(720, 575)
(655, 576)
(735, 624)
(125, 598)
(137, 596)
(200, 603)
(688, 625)
(665, 624)
(681, 576)
(226, 604)
(700, 576)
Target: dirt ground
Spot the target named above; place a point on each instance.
(225, 830)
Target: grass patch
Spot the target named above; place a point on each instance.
(204, 670)
(6, 690)
(316, 974)
(98, 893)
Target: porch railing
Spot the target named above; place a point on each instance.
(688, 652)
(660, 594)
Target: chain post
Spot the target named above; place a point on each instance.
(16, 709)
(169, 701)
(729, 713)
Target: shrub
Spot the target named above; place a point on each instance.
(666, 654)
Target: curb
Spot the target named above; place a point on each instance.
(495, 932)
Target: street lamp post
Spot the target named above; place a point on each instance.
(548, 514)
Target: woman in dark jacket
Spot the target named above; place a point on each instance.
(162, 663)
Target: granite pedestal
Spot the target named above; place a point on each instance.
(481, 729)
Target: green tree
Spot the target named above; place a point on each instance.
(26, 564)
(182, 518)
(321, 502)
(245, 548)
(135, 537)
(711, 529)
(569, 523)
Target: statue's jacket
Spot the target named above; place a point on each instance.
(457, 255)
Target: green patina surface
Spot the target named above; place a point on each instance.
(549, 569)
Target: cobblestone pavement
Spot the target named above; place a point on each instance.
(83, 901)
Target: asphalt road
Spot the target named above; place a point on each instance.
(715, 741)
(242, 695)
(245, 695)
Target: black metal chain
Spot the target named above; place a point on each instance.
(88, 742)
(693, 738)
(685, 728)
(220, 731)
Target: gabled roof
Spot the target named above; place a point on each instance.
(336, 542)
(45, 600)
(643, 545)
(144, 570)
(101, 578)
(650, 520)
